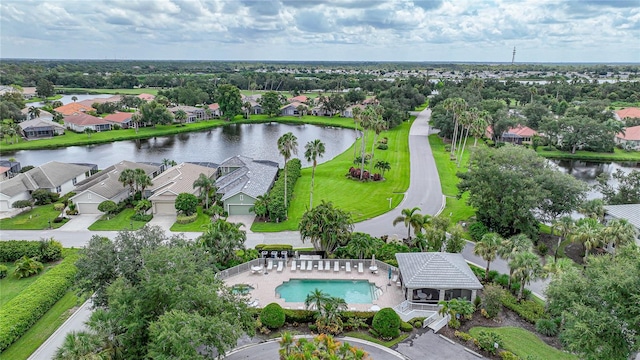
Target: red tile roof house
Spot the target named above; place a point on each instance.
(630, 137)
(292, 109)
(146, 97)
(517, 135)
(79, 122)
(299, 98)
(215, 110)
(73, 108)
(628, 113)
(111, 99)
(122, 119)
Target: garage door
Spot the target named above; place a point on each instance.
(164, 208)
(4, 205)
(240, 210)
(88, 208)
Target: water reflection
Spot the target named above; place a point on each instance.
(588, 171)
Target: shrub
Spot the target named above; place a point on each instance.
(502, 280)
(107, 207)
(44, 197)
(299, 316)
(529, 310)
(493, 274)
(21, 312)
(542, 248)
(3, 271)
(476, 302)
(383, 146)
(274, 247)
(58, 206)
(21, 204)
(186, 219)
(276, 208)
(406, 327)
(355, 323)
(547, 327)
(477, 230)
(486, 341)
(58, 219)
(508, 355)
(462, 335)
(45, 250)
(144, 217)
(366, 316)
(26, 266)
(454, 323)
(386, 323)
(492, 300)
(417, 322)
(186, 203)
(272, 316)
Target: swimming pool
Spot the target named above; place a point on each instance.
(352, 291)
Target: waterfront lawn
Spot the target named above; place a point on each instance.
(617, 155)
(37, 99)
(70, 91)
(525, 343)
(35, 219)
(363, 200)
(43, 328)
(121, 221)
(199, 225)
(456, 208)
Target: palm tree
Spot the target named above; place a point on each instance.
(357, 112)
(511, 247)
(168, 163)
(557, 266)
(588, 232)
(361, 246)
(487, 248)
(526, 267)
(89, 131)
(469, 120)
(223, 238)
(378, 125)
(79, 346)
(565, 226)
(287, 145)
(619, 232)
(247, 109)
(301, 109)
(314, 149)
(410, 218)
(365, 121)
(383, 166)
(331, 309)
(316, 299)
(205, 184)
(34, 112)
(128, 178)
(74, 98)
(142, 181)
(593, 209)
(479, 126)
(456, 106)
(261, 206)
(180, 116)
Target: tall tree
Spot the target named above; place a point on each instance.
(456, 106)
(587, 232)
(487, 248)
(230, 101)
(222, 239)
(512, 246)
(128, 178)
(142, 181)
(565, 226)
(271, 103)
(326, 227)
(411, 218)
(526, 267)
(44, 88)
(180, 116)
(383, 166)
(619, 232)
(627, 190)
(205, 184)
(34, 112)
(287, 146)
(313, 150)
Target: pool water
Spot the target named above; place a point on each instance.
(352, 291)
(241, 289)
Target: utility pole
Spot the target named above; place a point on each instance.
(513, 57)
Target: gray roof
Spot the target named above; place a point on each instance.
(38, 122)
(53, 173)
(16, 185)
(631, 212)
(250, 177)
(436, 270)
(179, 179)
(105, 183)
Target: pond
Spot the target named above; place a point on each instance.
(589, 171)
(258, 141)
(66, 99)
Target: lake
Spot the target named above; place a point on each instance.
(589, 171)
(66, 99)
(258, 141)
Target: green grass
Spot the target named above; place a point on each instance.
(617, 155)
(363, 200)
(43, 328)
(365, 336)
(423, 106)
(457, 209)
(71, 138)
(34, 219)
(525, 343)
(118, 222)
(38, 99)
(108, 91)
(11, 286)
(197, 226)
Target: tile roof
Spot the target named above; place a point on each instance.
(38, 122)
(111, 99)
(72, 108)
(518, 131)
(146, 97)
(631, 212)
(119, 117)
(4, 169)
(252, 177)
(214, 106)
(436, 270)
(185, 108)
(105, 183)
(83, 119)
(630, 134)
(632, 112)
(294, 105)
(299, 98)
(179, 179)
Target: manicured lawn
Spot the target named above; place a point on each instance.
(617, 155)
(121, 221)
(37, 99)
(447, 171)
(365, 336)
(35, 219)
(11, 286)
(525, 343)
(197, 226)
(109, 91)
(423, 106)
(363, 200)
(43, 328)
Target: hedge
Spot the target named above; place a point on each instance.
(529, 310)
(186, 219)
(275, 247)
(45, 250)
(20, 313)
(277, 211)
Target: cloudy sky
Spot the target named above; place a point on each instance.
(352, 30)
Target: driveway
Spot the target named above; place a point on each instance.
(431, 346)
(80, 222)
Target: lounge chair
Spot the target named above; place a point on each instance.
(327, 265)
(320, 266)
(293, 265)
(360, 268)
(302, 265)
(280, 265)
(348, 265)
(309, 265)
(395, 278)
(336, 266)
(270, 265)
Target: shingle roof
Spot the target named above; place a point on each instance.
(630, 133)
(15, 185)
(631, 212)
(436, 270)
(179, 179)
(105, 183)
(253, 178)
(47, 176)
(38, 122)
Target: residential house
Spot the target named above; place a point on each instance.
(146, 97)
(629, 212)
(431, 277)
(79, 122)
(73, 108)
(193, 113)
(256, 108)
(174, 181)
(105, 185)
(630, 137)
(517, 135)
(299, 98)
(111, 99)
(627, 113)
(291, 109)
(348, 112)
(13, 167)
(45, 115)
(122, 119)
(241, 180)
(39, 128)
(215, 110)
(53, 176)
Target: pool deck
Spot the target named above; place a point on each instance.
(264, 284)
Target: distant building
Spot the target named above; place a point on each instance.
(627, 113)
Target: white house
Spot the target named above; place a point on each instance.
(629, 212)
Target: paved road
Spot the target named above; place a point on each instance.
(424, 190)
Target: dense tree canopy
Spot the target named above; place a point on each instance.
(230, 101)
(627, 190)
(326, 227)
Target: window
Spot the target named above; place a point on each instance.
(74, 181)
(241, 197)
(59, 189)
(89, 196)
